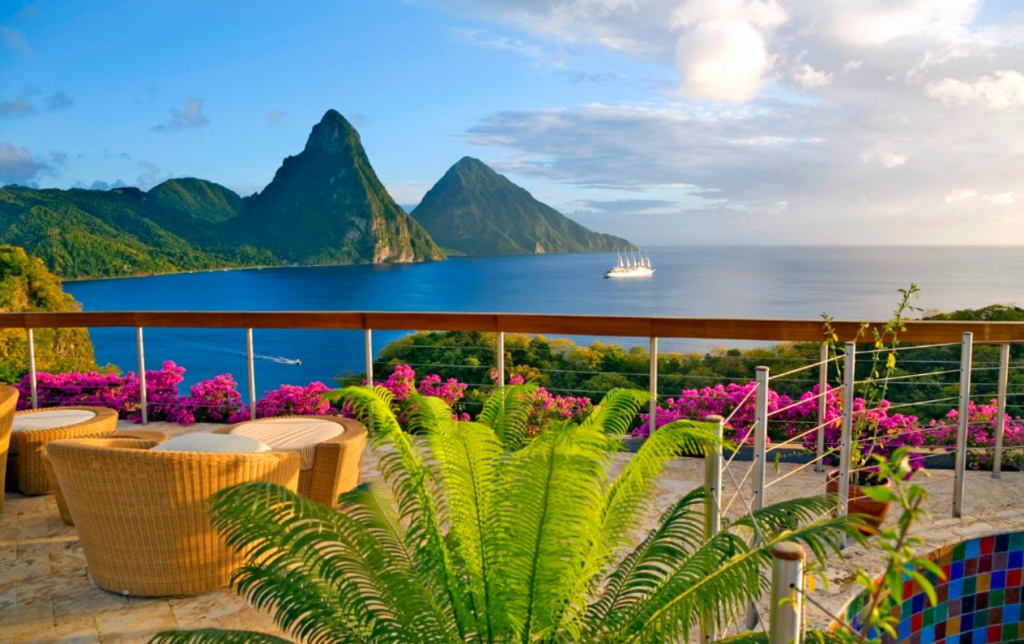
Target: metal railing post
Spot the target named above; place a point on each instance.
(1004, 379)
(713, 482)
(252, 373)
(760, 455)
(846, 434)
(143, 391)
(822, 405)
(369, 357)
(785, 621)
(501, 359)
(966, 352)
(653, 408)
(33, 383)
(712, 507)
(760, 437)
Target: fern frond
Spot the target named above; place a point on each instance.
(720, 578)
(372, 406)
(787, 515)
(628, 499)
(427, 413)
(413, 485)
(679, 532)
(547, 512)
(468, 455)
(214, 636)
(507, 412)
(617, 410)
(309, 563)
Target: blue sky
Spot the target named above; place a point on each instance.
(703, 121)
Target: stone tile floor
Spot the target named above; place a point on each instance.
(46, 595)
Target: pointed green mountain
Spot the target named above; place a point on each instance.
(473, 210)
(326, 205)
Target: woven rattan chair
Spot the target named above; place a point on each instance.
(127, 434)
(142, 517)
(8, 403)
(337, 462)
(25, 470)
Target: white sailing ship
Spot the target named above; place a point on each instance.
(631, 266)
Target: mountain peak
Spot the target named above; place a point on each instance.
(470, 162)
(470, 165)
(333, 134)
(473, 210)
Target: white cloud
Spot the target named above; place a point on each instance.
(18, 165)
(16, 108)
(875, 147)
(722, 53)
(15, 40)
(151, 175)
(884, 154)
(189, 117)
(873, 23)
(808, 77)
(961, 194)
(1003, 198)
(275, 116)
(60, 101)
(1002, 90)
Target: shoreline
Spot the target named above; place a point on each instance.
(65, 280)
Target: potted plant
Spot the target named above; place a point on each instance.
(873, 428)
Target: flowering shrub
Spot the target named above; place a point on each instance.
(121, 393)
(215, 400)
(547, 407)
(289, 400)
(733, 400)
(881, 432)
(402, 383)
(981, 426)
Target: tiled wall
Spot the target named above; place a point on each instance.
(979, 602)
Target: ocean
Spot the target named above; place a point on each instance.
(744, 282)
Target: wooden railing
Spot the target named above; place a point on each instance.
(620, 326)
(926, 333)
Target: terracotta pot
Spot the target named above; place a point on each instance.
(871, 511)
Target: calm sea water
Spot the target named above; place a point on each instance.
(753, 282)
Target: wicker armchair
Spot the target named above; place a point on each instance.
(8, 403)
(337, 463)
(141, 514)
(129, 434)
(25, 471)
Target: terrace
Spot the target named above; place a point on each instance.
(46, 595)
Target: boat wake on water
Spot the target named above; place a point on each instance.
(256, 356)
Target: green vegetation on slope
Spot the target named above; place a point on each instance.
(26, 286)
(991, 313)
(197, 199)
(86, 233)
(566, 368)
(473, 210)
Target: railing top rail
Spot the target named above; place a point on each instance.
(593, 325)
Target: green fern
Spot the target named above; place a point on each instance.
(479, 536)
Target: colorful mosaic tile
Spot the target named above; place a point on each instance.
(980, 601)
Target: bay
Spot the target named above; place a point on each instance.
(744, 282)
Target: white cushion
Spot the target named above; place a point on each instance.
(300, 435)
(50, 419)
(211, 443)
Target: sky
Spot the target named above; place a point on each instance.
(707, 122)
